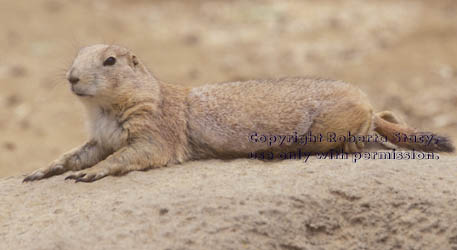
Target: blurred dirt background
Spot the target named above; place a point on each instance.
(403, 54)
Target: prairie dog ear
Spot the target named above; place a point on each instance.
(135, 61)
(135, 64)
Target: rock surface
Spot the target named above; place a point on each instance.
(240, 204)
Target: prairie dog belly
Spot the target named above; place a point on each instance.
(224, 116)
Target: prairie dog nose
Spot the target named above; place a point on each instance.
(71, 77)
(73, 80)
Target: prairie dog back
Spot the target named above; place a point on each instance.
(225, 115)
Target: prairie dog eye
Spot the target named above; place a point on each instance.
(109, 61)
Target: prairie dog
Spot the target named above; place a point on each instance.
(137, 122)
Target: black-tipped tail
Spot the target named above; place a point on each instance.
(410, 138)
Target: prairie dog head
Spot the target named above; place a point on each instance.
(104, 72)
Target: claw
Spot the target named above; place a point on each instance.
(27, 179)
(88, 178)
(81, 180)
(75, 176)
(45, 173)
(33, 177)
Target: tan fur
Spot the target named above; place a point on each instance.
(137, 122)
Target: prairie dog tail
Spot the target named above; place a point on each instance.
(398, 133)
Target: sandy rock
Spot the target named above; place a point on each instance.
(240, 204)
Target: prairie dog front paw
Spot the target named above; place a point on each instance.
(42, 173)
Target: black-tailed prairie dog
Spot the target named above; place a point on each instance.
(137, 122)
